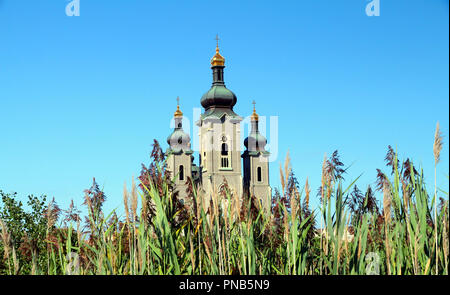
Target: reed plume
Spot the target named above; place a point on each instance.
(307, 191)
(214, 239)
(284, 174)
(125, 202)
(322, 200)
(437, 147)
(6, 239)
(134, 201)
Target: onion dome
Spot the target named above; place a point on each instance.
(255, 141)
(218, 95)
(217, 60)
(179, 140)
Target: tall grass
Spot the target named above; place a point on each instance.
(221, 236)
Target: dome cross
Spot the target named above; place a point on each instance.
(217, 40)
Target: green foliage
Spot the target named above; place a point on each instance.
(220, 235)
(27, 230)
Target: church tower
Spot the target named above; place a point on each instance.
(219, 131)
(179, 154)
(256, 164)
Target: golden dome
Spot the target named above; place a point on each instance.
(217, 60)
(254, 116)
(178, 112)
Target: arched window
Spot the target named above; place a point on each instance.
(224, 149)
(259, 174)
(224, 156)
(181, 172)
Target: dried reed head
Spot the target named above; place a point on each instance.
(390, 158)
(6, 239)
(125, 202)
(72, 213)
(332, 171)
(437, 145)
(134, 200)
(144, 212)
(287, 167)
(52, 213)
(284, 174)
(307, 191)
(323, 178)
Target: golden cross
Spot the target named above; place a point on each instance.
(178, 100)
(254, 105)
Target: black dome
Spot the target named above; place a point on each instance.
(218, 96)
(255, 142)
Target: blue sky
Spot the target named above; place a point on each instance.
(84, 97)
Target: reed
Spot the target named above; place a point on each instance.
(161, 235)
(437, 147)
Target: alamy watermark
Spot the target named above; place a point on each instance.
(73, 264)
(73, 8)
(373, 8)
(373, 263)
(217, 134)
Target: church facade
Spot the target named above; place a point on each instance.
(220, 159)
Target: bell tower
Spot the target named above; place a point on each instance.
(219, 132)
(179, 154)
(256, 164)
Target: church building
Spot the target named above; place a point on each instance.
(220, 159)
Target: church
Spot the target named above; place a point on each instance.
(220, 160)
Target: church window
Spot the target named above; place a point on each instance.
(224, 156)
(181, 172)
(224, 149)
(259, 174)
